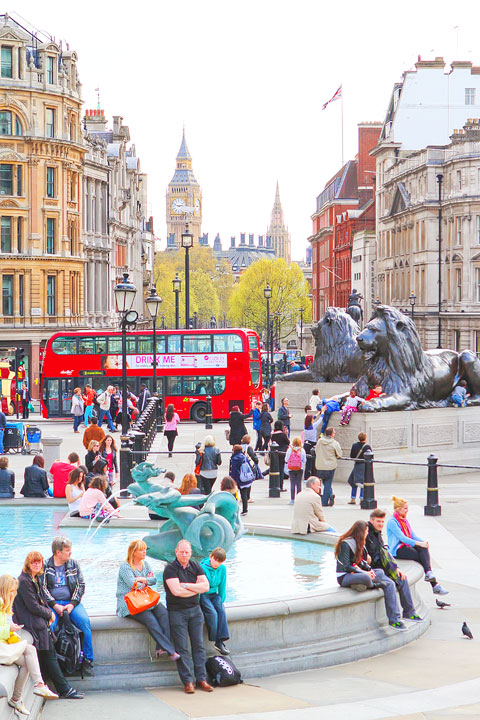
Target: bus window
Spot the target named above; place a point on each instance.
(64, 346)
(173, 386)
(145, 345)
(252, 342)
(174, 342)
(197, 343)
(114, 346)
(227, 343)
(197, 385)
(218, 385)
(131, 346)
(86, 346)
(255, 372)
(101, 346)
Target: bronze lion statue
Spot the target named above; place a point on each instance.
(337, 355)
(410, 377)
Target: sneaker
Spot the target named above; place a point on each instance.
(19, 707)
(221, 647)
(379, 584)
(87, 668)
(352, 501)
(398, 625)
(243, 513)
(414, 617)
(439, 590)
(429, 576)
(331, 501)
(44, 691)
(72, 694)
(291, 502)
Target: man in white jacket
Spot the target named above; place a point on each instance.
(104, 400)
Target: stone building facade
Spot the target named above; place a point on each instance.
(278, 231)
(41, 168)
(408, 231)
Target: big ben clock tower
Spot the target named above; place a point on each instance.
(184, 199)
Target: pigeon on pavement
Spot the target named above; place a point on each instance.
(441, 604)
(466, 631)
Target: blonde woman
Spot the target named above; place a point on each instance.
(211, 459)
(137, 569)
(26, 657)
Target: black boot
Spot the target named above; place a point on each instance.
(379, 584)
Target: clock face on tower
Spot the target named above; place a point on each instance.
(178, 206)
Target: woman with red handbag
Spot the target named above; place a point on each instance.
(135, 598)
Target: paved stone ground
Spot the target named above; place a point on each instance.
(435, 677)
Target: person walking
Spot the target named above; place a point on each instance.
(295, 461)
(89, 396)
(26, 399)
(243, 474)
(30, 609)
(237, 425)
(170, 430)
(92, 432)
(327, 452)
(284, 415)
(77, 409)
(108, 451)
(266, 422)
(252, 459)
(257, 423)
(104, 401)
(184, 581)
(137, 570)
(208, 459)
(357, 475)
(143, 397)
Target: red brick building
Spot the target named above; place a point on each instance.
(346, 206)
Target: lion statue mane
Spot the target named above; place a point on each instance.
(337, 355)
(410, 377)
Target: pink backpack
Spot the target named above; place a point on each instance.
(295, 460)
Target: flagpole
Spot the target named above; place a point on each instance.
(341, 97)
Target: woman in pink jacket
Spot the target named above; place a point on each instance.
(170, 430)
(94, 503)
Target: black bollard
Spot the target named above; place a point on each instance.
(368, 502)
(126, 464)
(432, 507)
(274, 476)
(208, 413)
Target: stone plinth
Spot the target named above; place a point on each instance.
(299, 393)
(51, 450)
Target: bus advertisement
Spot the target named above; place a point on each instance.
(191, 364)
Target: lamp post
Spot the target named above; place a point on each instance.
(187, 243)
(177, 286)
(277, 329)
(412, 298)
(439, 181)
(153, 303)
(195, 319)
(267, 292)
(125, 292)
(301, 329)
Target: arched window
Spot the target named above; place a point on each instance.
(9, 123)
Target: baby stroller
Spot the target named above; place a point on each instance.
(32, 438)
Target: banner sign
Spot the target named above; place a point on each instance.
(186, 362)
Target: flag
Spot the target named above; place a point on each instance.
(334, 97)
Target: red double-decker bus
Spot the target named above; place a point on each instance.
(191, 364)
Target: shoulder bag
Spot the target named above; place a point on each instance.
(139, 600)
(11, 650)
(351, 478)
(198, 467)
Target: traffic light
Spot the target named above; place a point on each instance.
(20, 356)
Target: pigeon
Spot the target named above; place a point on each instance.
(442, 604)
(466, 631)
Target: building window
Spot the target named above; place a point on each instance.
(19, 180)
(458, 284)
(50, 61)
(459, 179)
(51, 295)
(7, 294)
(20, 295)
(6, 179)
(7, 62)
(469, 96)
(50, 122)
(50, 236)
(19, 234)
(9, 120)
(456, 340)
(50, 182)
(458, 230)
(6, 234)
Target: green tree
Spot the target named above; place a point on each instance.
(248, 306)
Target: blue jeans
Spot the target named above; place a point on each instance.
(326, 418)
(458, 401)
(2, 430)
(185, 625)
(215, 618)
(81, 620)
(327, 479)
(390, 593)
(101, 417)
(77, 421)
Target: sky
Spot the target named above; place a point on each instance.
(248, 81)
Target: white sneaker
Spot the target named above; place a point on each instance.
(44, 692)
(429, 576)
(18, 706)
(439, 590)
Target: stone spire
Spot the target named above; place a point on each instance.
(278, 231)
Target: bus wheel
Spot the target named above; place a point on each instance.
(198, 412)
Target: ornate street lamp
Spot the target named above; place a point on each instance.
(153, 303)
(187, 243)
(412, 297)
(267, 293)
(177, 287)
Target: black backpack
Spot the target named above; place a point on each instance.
(68, 645)
(222, 672)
